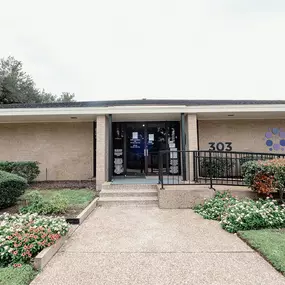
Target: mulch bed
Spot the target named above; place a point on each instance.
(68, 184)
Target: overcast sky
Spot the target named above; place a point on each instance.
(122, 49)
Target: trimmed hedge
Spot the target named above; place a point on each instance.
(27, 169)
(12, 187)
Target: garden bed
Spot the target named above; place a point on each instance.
(269, 243)
(78, 200)
(22, 238)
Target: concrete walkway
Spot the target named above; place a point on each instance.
(146, 245)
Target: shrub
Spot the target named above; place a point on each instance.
(27, 169)
(37, 204)
(216, 166)
(265, 176)
(252, 215)
(212, 209)
(11, 188)
(23, 236)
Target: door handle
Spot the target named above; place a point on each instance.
(145, 152)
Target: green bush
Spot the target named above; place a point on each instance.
(216, 166)
(20, 275)
(253, 215)
(265, 176)
(27, 169)
(212, 209)
(37, 204)
(12, 187)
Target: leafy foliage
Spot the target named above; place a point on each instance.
(27, 169)
(252, 215)
(16, 86)
(23, 236)
(265, 176)
(12, 187)
(37, 204)
(212, 209)
(246, 214)
(216, 166)
(17, 275)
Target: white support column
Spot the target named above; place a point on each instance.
(192, 141)
(101, 151)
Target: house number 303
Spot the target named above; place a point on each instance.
(221, 146)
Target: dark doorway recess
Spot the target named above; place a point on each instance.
(136, 146)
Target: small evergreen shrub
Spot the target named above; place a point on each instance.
(212, 209)
(216, 166)
(27, 169)
(12, 187)
(37, 204)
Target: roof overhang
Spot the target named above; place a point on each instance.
(158, 112)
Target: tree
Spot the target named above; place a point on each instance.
(16, 86)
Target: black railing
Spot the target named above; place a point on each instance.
(206, 167)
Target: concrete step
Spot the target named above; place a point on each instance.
(129, 186)
(128, 200)
(129, 193)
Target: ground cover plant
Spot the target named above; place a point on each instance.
(212, 209)
(24, 236)
(270, 243)
(57, 204)
(64, 201)
(245, 214)
(20, 275)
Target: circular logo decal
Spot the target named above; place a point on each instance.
(275, 139)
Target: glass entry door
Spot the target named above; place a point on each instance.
(135, 149)
(156, 141)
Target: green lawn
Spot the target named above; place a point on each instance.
(77, 198)
(17, 276)
(270, 243)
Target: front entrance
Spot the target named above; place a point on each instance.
(136, 146)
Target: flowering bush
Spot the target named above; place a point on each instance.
(23, 236)
(212, 209)
(265, 176)
(252, 215)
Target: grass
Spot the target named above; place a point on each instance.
(77, 198)
(270, 243)
(17, 276)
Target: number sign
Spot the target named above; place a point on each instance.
(221, 146)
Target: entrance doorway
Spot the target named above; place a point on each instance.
(136, 147)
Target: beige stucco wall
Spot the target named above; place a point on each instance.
(65, 150)
(245, 135)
